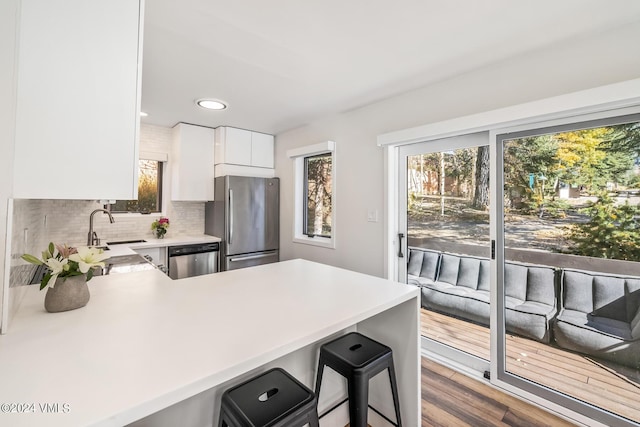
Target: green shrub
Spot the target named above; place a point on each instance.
(611, 232)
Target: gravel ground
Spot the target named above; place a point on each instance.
(460, 224)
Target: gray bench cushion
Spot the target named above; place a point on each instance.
(423, 266)
(613, 297)
(606, 338)
(600, 316)
(466, 271)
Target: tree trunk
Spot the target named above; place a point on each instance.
(481, 194)
(319, 208)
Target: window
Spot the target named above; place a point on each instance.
(149, 190)
(317, 195)
(315, 177)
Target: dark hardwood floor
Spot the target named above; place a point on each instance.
(450, 398)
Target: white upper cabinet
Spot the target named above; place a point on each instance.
(192, 163)
(233, 146)
(78, 99)
(244, 148)
(261, 150)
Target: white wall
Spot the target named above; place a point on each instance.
(576, 65)
(8, 22)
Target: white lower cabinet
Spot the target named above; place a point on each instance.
(157, 256)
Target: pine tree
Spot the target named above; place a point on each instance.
(612, 231)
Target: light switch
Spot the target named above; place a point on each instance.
(372, 215)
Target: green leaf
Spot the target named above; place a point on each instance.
(89, 274)
(45, 281)
(31, 259)
(52, 248)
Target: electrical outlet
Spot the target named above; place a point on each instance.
(372, 215)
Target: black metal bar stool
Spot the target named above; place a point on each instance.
(271, 399)
(358, 358)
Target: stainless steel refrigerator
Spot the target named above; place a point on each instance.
(245, 214)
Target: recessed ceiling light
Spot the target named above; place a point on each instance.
(143, 114)
(211, 104)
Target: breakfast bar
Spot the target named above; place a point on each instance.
(148, 350)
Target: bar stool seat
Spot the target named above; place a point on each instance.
(358, 358)
(271, 399)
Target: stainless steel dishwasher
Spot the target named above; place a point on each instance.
(193, 260)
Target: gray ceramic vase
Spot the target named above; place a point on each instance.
(67, 294)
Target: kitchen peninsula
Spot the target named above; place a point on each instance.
(151, 351)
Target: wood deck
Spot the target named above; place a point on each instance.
(603, 384)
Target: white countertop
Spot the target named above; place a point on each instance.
(145, 342)
(128, 248)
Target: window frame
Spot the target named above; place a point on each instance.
(300, 203)
(162, 159)
(305, 211)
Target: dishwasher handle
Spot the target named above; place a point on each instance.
(193, 249)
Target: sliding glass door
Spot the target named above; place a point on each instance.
(568, 266)
(525, 244)
(445, 206)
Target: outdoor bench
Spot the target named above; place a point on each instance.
(600, 316)
(458, 285)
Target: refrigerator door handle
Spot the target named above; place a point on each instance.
(245, 258)
(230, 216)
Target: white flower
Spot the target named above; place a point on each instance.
(56, 266)
(88, 257)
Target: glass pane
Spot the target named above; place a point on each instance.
(318, 195)
(149, 190)
(448, 239)
(572, 264)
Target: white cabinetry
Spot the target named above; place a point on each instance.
(243, 152)
(192, 163)
(78, 99)
(233, 146)
(262, 150)
(157, 256)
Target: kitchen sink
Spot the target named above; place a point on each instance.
(123, 242)
(124, 264)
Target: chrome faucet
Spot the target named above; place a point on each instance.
(92, 237)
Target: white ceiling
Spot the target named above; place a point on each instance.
(280, 64)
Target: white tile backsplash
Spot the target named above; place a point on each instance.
(155, 138)
(67, 221)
